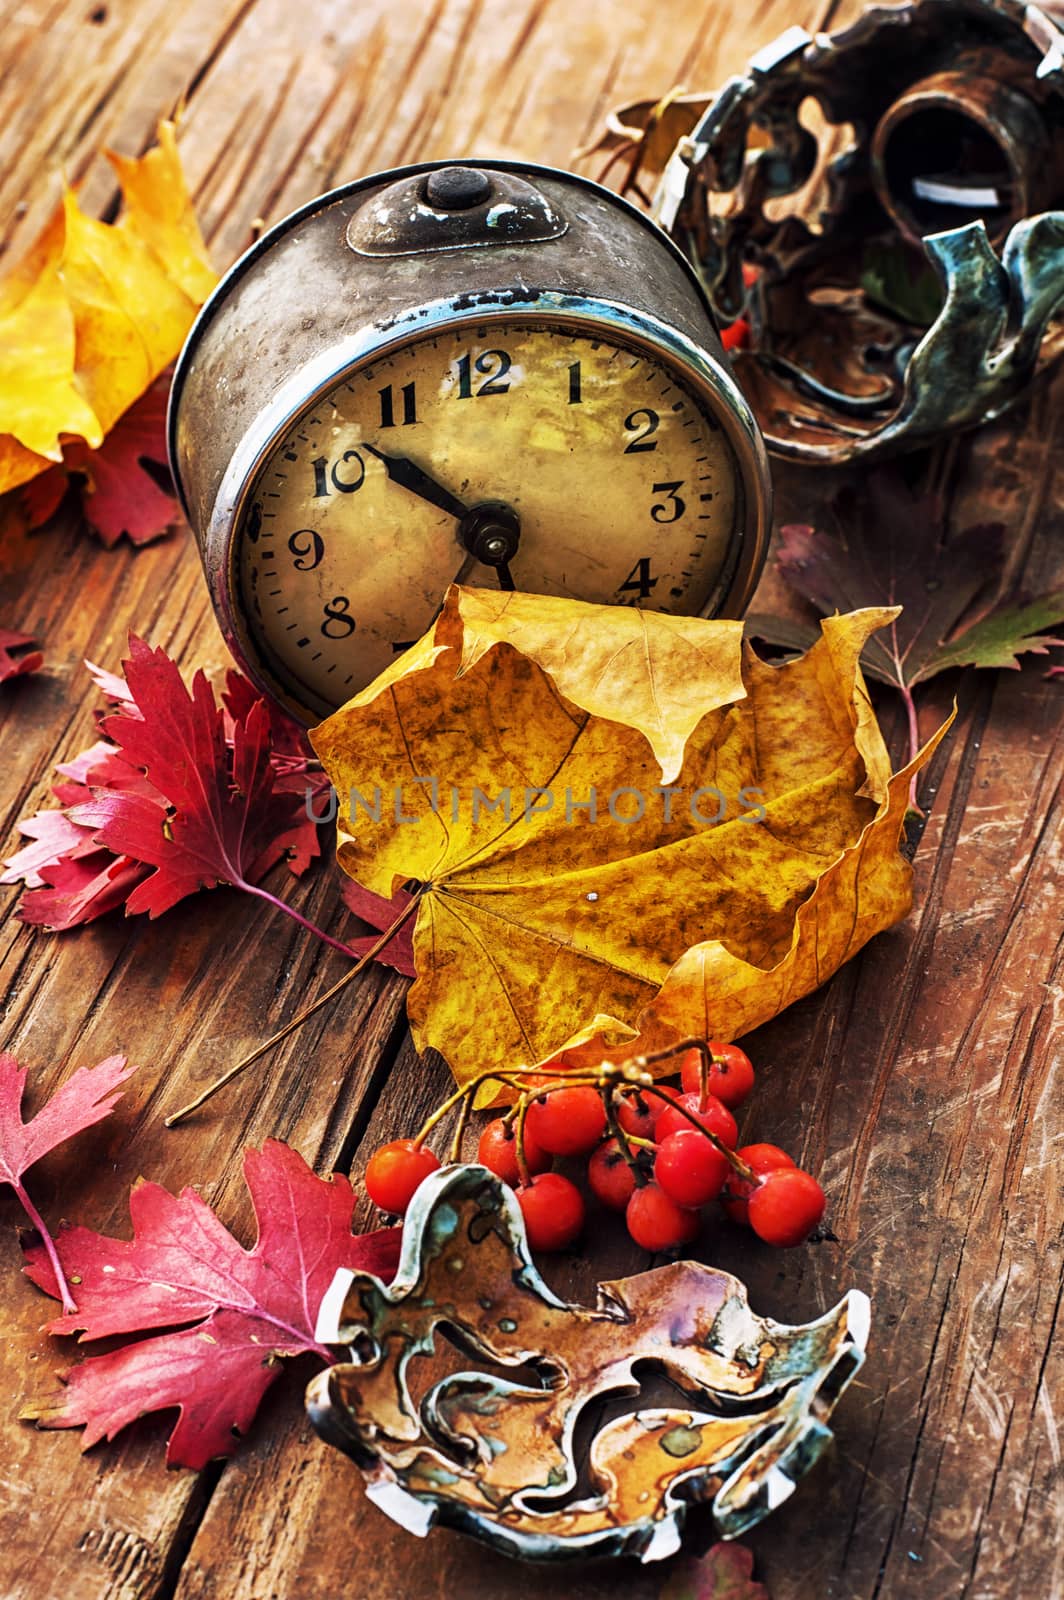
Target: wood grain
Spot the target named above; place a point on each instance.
(922, 1083)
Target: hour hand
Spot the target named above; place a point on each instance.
(408, 475)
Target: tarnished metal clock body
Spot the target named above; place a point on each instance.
(493, 373)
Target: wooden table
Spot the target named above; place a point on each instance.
(920, 1083)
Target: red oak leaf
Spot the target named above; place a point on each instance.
(117, 494)
(85, 1098)
(381, 913)
(12, 666)
(248, 1307)
(723, 1573)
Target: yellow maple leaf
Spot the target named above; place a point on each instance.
(691, 838)
(96, 311)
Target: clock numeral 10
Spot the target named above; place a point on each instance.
(338, 624)
(388, 405)
(324, 474)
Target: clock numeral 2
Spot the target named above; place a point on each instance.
(639, 579)
(672, 508)
(324, 474)
(642, 424)
(494, 375)
(308, 554)
(338, 624)
(388, 405)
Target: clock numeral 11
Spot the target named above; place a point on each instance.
(388, 405)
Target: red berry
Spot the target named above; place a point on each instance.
(730, 1076)
(610, 1177)
(395, 1171)
(567, 1122)
(763, 1158)
(657, 1104)
(690, 1169)
(736, 336)
(497, 1151)
(637, 1113)
(553, 1209)
(656, 1222)
(717, 1118)
(786, 1206)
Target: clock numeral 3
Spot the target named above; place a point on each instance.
(308, 554)
(642, 424)
(324, 474)
(494, 375)
(388, 405)
(671, 509)
(639, 579)
(338, 624)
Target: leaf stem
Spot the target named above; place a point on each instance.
(297, 916)
(735, 1162)
(914, 738)
(49, 1246)
(297, 1021)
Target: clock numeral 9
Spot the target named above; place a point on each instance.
(493, 374)
(338, 624)
(642, 424)
(308, 554)
(324, 474)
(672, 508)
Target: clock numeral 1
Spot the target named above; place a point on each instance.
(575, 397)
(494, 375)
(338, 624)
(639, 579)
(324, 474)
(388, 405)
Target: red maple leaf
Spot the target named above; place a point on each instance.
(246, 1308)
(117, 494)
(85, 1098)
(12, 666)
(380, 914)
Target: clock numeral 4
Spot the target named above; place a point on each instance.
(344, 483)
(642, 424)
(338, 623)
(409, 398)
(639, 580)
(308, 547)
(672, 508)
(494, 364)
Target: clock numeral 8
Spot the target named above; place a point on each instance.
(338, 624)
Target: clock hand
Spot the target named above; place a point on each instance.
(408, 475)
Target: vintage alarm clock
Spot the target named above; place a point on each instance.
(491, 373)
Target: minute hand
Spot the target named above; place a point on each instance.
(408, 475)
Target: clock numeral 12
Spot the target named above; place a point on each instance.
(388, 405)
(485, 363)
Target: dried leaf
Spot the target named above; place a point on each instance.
(889, 548)
(248, 1307)
(117, 495)
(651, 915)
(15, 666)
(96, 312)
(85, 1098)
(725, 1572)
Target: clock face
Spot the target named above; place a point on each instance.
(524, 454)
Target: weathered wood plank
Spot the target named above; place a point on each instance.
(920, 1083)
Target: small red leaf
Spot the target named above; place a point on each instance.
(381, 913)
(12, 666)
(723, 1573)
(182, 1265)
(85, 1098)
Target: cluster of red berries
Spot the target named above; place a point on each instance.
(657, 1152)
